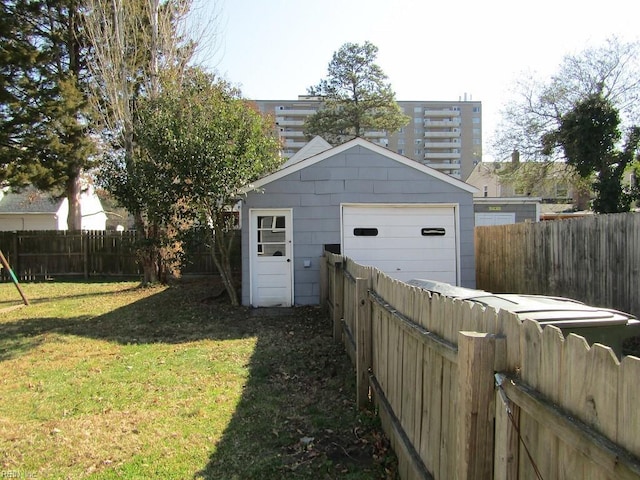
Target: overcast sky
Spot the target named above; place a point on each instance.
(429, 49)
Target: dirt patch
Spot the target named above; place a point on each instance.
(315, 427)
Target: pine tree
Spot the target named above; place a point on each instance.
(44, 113)
(356, 97)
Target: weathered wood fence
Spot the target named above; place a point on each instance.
(431, 364)
(37, 255)
(592, 259)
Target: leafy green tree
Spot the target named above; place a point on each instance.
(589, 134)
(356, 97)
(44, 112)
(135, 44)
(202, 143)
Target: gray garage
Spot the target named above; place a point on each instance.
(371, 204)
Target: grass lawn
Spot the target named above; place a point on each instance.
(108, 380)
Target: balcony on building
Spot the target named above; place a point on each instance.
(442, 156)
(294, 111)
(288, 122)
(440, 134)
(441, 113)
(291, 133)
(441, 145)
(444, 165)
(449, 122)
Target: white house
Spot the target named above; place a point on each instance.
(32, 209)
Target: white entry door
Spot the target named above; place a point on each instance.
(271, 258)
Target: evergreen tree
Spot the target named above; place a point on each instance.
(356, 97)
(44, 115)
(18, 58)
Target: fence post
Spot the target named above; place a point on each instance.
(324, 281)
(16, 259)
(476, 404)
(84, 242)
(506, 458)
(363, 340)
(338, 300)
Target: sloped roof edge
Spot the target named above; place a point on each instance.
(29, 201)
(315, 146)
(368, 145)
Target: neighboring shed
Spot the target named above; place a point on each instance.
(32, 209)
(375, 206)
(504, 211)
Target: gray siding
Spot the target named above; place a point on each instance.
(356, 175)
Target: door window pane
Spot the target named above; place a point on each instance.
(271, 235)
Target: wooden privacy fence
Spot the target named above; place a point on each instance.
(37, 255)
(466, 392)
(593, 259)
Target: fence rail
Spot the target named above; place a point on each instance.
(592, 259)
(37, 255)
(431, 363)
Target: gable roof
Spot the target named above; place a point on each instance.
(315, 146)
(359, 142)
(29, 200)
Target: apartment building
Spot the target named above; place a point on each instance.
(445, 135)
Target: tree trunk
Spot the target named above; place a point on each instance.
(74, 193)
(147, 252)
(221, 254)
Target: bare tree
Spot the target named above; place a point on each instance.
(611, 70)
(135, 43)
(538, 106)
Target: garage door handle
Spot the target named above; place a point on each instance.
(288, 260)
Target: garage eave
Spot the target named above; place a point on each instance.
(359, 142)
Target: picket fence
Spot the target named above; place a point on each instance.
(465, 392)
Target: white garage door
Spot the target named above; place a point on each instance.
(487, 218)
(404, 241)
